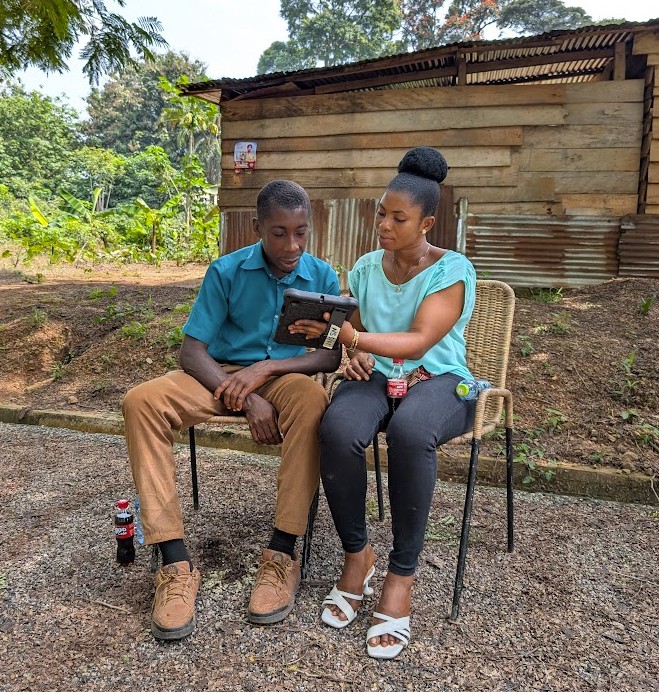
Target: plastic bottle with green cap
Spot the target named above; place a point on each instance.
(470, 389)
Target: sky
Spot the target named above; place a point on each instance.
(230, 35)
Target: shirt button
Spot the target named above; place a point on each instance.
(269, 348)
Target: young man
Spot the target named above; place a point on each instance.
(230, 362)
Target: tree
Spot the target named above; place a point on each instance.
(43, 33)
(92, 169)
(429, 23)
(534, 17)
(124, 113)
(37, 135)
(148, 174)
(195, 124)
(331, 33)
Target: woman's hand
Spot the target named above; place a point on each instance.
(312, 329)
(360, 366)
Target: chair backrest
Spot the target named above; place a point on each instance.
(488, 336)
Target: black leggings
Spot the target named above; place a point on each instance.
(429, 415)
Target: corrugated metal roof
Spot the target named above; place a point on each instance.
(577, 55)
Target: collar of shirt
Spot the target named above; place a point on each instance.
(256, 260)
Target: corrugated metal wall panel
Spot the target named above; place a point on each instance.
(639, 246)
(544, 251)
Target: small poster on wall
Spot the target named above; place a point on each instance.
(244, 157)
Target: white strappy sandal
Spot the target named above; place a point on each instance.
(397, 627)
(337, 598)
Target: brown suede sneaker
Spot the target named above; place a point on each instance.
(273, 596)
(173, 615)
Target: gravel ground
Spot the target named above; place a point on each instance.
(575, 607)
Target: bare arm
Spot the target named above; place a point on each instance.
(236, 390)
(434, 319)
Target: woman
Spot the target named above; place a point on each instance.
(415, 300)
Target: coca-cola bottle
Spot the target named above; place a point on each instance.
(124, 529)
(396, 384)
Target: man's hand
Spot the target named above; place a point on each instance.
(239, 385)
(262, 418)
(360, 366)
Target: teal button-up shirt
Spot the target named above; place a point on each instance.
(239, 302)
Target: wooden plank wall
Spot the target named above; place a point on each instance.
(515, 149)
(648, 45)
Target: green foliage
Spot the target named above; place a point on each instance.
(97, 293)
(534, 17)
(560, 323)
(58, 372)
(43, 34)
(525, 345)
(647, 303)
(37, 136)
(134, 330)
(555, 419)
(322, 33)
(429, 23)
(546, 295)
(195, 125)
(174, 337)
(124, 113)
(38, 317)
(648, 435)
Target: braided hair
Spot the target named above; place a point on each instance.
(420, 173)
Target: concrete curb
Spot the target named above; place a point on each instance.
(570, 479)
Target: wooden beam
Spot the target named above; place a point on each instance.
(462, 69)
(383, 80)
(483, 136)
(619, 62)
(628, 91)
(457, 157)
(646, 42)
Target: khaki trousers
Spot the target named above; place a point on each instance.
(177, 401)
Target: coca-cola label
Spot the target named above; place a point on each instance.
(127, 531)
(397, 389)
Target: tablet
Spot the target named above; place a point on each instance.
(305, 305)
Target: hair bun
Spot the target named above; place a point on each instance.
(425, 162)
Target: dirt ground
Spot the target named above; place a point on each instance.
(574, 607)
(584, 365)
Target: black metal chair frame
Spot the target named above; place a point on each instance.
(306, 547)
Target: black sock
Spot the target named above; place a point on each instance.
(174, 551)
(283, 542)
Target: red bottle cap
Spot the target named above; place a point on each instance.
(399, 360)
(122, 504)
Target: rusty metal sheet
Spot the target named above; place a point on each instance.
(639, 246)
(544, 251)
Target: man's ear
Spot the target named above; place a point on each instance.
(255, 227)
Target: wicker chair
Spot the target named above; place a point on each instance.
(488, 337)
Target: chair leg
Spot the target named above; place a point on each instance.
(464, 537)
(193, 467)
(306, 548)
(378, 477)
(155, 557)
(509, 487)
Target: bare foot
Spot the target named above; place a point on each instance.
(395, 601)
(355, 568)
